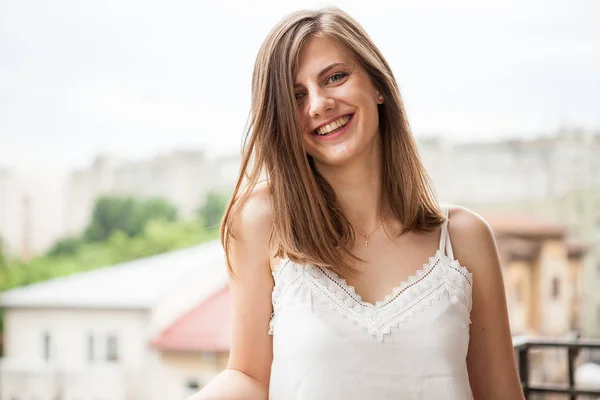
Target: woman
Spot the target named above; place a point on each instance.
(344, 280)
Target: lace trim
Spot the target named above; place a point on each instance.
(282, 283)
(415, 294)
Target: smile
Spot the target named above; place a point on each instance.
(334, 126)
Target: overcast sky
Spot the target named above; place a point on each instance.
(133, 77)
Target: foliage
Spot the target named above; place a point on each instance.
(158, 236)
(65, 246)
(126, 214)
(121, 229)
(212, 210)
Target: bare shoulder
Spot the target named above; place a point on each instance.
(255, 220)
(472, 238)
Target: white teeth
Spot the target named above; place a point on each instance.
(324, 130)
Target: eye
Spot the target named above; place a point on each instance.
(299, 96)
(338, 76)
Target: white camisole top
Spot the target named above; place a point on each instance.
(328, 344)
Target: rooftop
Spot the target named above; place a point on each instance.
(137, 284)
(207, 327)
(515, 224)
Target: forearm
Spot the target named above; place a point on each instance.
(232, 385)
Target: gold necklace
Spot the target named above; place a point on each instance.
(366, 242)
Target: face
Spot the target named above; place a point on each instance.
(337, 103)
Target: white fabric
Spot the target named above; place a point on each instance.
(328, 344)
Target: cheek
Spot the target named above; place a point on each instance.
(309, 146)
(371, 113)
(304, 119)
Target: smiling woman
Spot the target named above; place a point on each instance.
(344, 281)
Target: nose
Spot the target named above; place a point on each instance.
(320, 103)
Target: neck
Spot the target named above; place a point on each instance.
(358, 188)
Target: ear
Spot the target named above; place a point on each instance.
(379, 98)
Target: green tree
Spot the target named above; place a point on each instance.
(65, 246)
(212, 210)
(151, 209)
(126, 214)
(110, 214)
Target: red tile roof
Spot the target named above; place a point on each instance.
(207, 327)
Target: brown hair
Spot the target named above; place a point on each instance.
(308, 224)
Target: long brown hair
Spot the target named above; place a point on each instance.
(308, 224)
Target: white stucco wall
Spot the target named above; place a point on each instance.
(24, 374)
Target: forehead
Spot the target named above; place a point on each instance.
(318, 53)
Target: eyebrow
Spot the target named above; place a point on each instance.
(325, 70)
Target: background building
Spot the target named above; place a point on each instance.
(90, 335)
(8, 205)
(195, 347)
(183, 178)
(515, 169)
(31, 206)
(542, 274)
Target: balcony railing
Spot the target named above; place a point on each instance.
(572, 347)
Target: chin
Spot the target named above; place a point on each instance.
(344, 153)
(338, 156)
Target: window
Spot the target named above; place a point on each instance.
(555, 288)
(192, 386)
(90, 348)
(111, 349)
(47, 346)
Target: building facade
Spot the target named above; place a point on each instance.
(580, 212)
(542, 274)
(90, 335)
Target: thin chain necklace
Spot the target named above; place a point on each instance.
(366, 242)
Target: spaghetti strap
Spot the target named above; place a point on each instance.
(444, 231)
(445, 244)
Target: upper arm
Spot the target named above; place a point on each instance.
(251, 285)
(490, 360)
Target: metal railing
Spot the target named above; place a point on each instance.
(572, 346)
